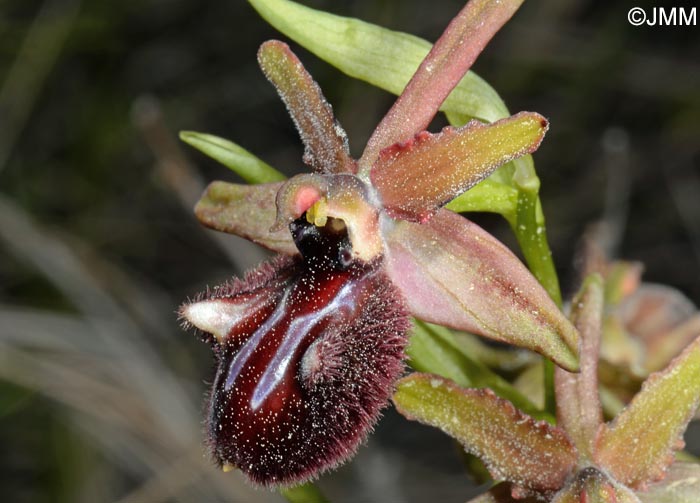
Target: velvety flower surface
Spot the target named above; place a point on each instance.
(308, 347)
(286, 398)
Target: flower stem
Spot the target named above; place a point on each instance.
(530, 231)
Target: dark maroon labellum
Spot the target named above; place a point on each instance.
(308, 361)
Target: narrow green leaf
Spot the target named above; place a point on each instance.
(515, 447)
(441, 70)
(384, 58)
(434, 349)
(242, 162)
(426, 353)
(638, 446)
(507, 359)
(490, 196)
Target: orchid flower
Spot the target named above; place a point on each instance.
(646, 325)
(310, 344)
(582, 459)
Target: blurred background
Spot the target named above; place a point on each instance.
(100, 391)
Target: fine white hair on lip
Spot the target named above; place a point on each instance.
(215, 316)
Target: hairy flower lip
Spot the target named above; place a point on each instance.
(296, 389)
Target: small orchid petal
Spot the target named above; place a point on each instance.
(655, 309)
(578, 404)
(454, 273)
(515, 447)
(681, 485)
(417, 176)
(663, 347)
(443, 68)
(638, 445)
(244, 210)
(325, 142)
(593, 486)
(621, 349)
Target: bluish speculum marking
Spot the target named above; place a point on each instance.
(342, 306)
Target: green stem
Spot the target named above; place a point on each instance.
(550, 399)
(530, 231)
(304, 493)
(531, 234)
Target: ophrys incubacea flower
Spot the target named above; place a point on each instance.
(309, 345)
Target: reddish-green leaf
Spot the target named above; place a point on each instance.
(435, 350)
(638, 446)
(515, 447)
